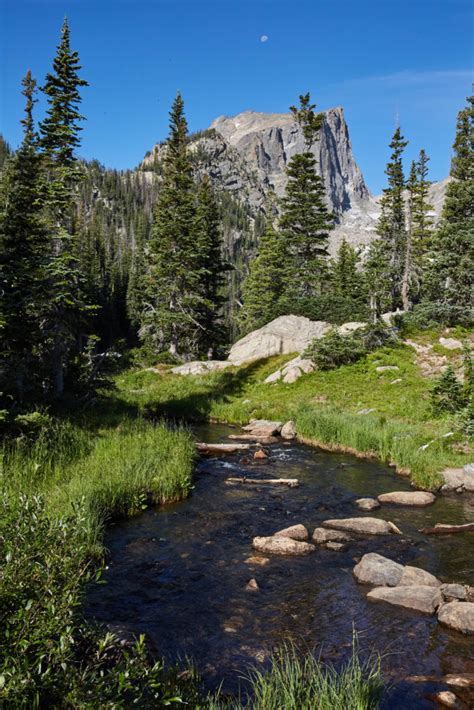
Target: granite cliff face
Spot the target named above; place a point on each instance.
(247, 155)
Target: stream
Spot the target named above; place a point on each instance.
(178, 573)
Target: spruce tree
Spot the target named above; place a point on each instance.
(59, 138)
(451, 258)
(24, 249)
(264, 288)
(305, 221)
(208, 234)
(418, 230)
(391, 228)
(170, 318)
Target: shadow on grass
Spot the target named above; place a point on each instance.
(195, 404)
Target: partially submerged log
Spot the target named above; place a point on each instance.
(290, 482)
(255, 438)
(221, 448)
(444, 529)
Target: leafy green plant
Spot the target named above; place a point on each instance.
(334, 349)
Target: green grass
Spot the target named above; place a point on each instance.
(296, 682)
(325, 406)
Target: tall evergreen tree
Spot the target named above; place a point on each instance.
(171, 315)
(212, 268)
(59, 138)
(388, 257)
(24, 248)
(305, 221)
(265, 286)
(418, 230)
(451, 258)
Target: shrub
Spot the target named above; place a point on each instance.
(429, 315)
(448, 394)
(49, 657)
(334, 350)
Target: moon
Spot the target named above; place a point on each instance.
(264, 38)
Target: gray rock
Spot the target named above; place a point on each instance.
(295, 532)
(414, 577)
(291, 375)
(282, 546)
(418, 498)
(363, 526)
(274, 377)
(367, 410)
(304, 364)
(321, 536)
(450, 343)
(259, 561)
(199, 367)
(263, 427)
(454, 592)
(252, 585)
(386, 368)
(286, 334)
(462, 478)
(458, 616)
(348, 328)
(419, 598)
(367, 504)
(377, 570)
(288, 430)
(446, 699)
(335, 546)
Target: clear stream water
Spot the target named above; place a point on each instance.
(178, 574)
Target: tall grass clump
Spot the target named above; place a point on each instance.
(296, 682)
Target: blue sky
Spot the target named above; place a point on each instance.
(379, 59)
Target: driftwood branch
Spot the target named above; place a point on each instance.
(221, 448)
(443, 529)
(290, 482)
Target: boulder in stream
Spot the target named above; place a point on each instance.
(367, 504)
(422, 598)
(418, 498)
(458, 616)
(282, 546)
(321, 536)
(288, 430)
(414, 576)
(263, 427)
(378, 570)
(363, 526)
(295, 532)
(454, 592)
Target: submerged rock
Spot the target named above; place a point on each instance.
(422, 598)
(378, 570)
(295, 532)
(252, 585)
(335, 546)
(458, 616)
(363, 526)
(407, 498)
(254, 560)
(282, 546)
(367, 504)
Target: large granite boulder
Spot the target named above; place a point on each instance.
(414, 577)
(282, 546)
(286, 334)
(425, 599)
(378, 570)
(363, 526)
(458, 616)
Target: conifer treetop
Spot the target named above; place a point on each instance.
(309, 121)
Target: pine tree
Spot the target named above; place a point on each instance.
(212, 268)
(264, 288)
(24, 248)
(305, 221)
(418, 230)
(451, 258)
(171, 316)
(391, 228)
(346, 278)
(59, 137)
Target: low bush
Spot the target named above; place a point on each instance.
(429, 315)
(49, 657)
(334, 350)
